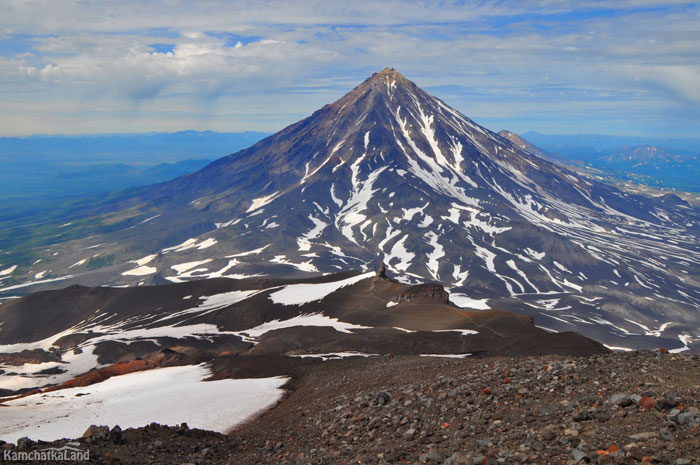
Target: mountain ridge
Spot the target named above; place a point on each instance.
(79, 329)
(658, 163)
(390, 173)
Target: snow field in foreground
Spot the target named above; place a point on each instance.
(165, 395)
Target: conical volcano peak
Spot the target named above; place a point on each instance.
(388, 70)
(390, 117)
(385, 83)
(389, 74)
(387, 80)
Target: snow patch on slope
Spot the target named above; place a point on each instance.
(262, 201)
(464, 301)
(145, 260)
(434, 257)
(335, 355)
(182, 267)
(313, 319)
(8, 271)
(168, 396)
(300, 294)
(140, 271)
(304, 242)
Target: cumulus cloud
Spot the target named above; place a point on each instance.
(486, 57)
(198, 64)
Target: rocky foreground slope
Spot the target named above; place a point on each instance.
(635, 407)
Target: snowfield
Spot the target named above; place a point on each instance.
(8, 271)
(446, 355)
(166, 395)
(140, 271)
(28, 375)
(464, 301)
(336, 355)
(300, 294)
(463, 332)
(314, 319)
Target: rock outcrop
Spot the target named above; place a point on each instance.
(425, 293)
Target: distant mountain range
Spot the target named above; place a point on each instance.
(661, 163)
(141, 148)
(39, 173)
(583, 145)
(391, 174)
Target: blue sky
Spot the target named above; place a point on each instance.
(629, 67)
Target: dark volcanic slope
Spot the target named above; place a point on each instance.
(547, 410)
(391, 173)
(533, 149)
(268, 324)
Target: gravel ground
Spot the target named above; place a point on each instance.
(625, 408)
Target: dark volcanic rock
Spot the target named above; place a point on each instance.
(429, 292)
(96, 432)
(623, 400)
(447, 412)
(28, 356)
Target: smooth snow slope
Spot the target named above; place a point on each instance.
(166, 395)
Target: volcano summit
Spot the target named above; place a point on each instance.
(391, 174)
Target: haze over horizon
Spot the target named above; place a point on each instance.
(557, 68)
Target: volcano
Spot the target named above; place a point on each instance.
(389, 173)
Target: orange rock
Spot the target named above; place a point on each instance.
(486, 391)
(647, 402)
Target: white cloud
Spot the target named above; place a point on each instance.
(262, 57)
(682, 80)
(199, 64)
